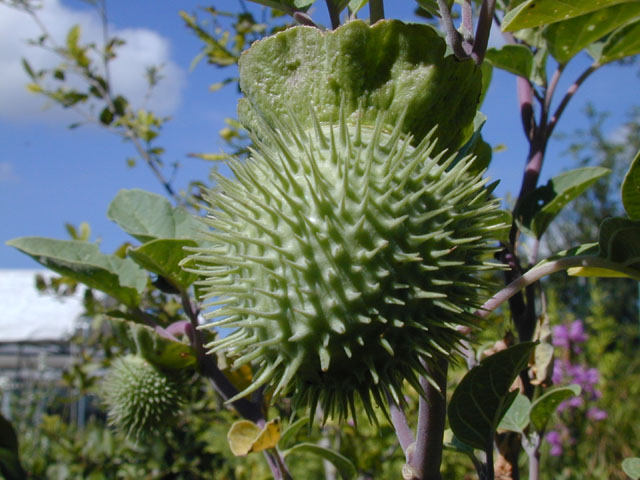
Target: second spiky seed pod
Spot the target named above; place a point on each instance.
(141, 400)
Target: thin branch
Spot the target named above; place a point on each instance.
(454, 39)
(376, 11)
(542, 270)
(485, 19)
(567, 97)
(552, 87)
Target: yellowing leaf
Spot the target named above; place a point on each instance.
(595, 272)
(245, 436)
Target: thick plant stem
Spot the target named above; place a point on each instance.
(432, 412)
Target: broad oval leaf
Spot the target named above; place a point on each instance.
(631, 466)
(483, 397)
(631, 189)
(517, 417)
(622, 43)
(83, 261)
(538, 209)
(245, 436)
(517, 59)
(619, 241)
(545, 406)
(534, 13)
(566, 39)
(162, 257)
(343, 464)
(147, 216)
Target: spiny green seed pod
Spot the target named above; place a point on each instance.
(344, 258)
(140, 399)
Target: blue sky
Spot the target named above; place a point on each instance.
(50, 175)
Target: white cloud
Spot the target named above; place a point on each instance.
(143, 48)
(7, 173)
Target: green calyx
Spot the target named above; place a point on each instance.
(345, 258)
(392, 67)
(141, 400)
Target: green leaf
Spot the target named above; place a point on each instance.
(483, 397)
(82, 261)
(392, 67)
(10, 466)
(431, 6)
(356, 5)
(289, 434)
(624, 42)
(516, 59)
(154, 345)
(568, 38)
(452, 442)
(545, 406)
(619, 241)
(73, 35)
(162, 257)
(343, 464)
(631, 466)
(106, 116)
(147, 216)
(631, 189)
(286, 6)
(517, 417)
(534, 13)
(538, 209)
(28, 69)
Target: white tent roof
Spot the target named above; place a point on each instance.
(26, 315)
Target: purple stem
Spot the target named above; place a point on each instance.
(485, 19)
(454, 39)
(432, 412)
(567, 97)
(401, 425)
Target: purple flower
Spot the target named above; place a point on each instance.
(576, 332)
(596, 414)
(561, 336)
(555, 440)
